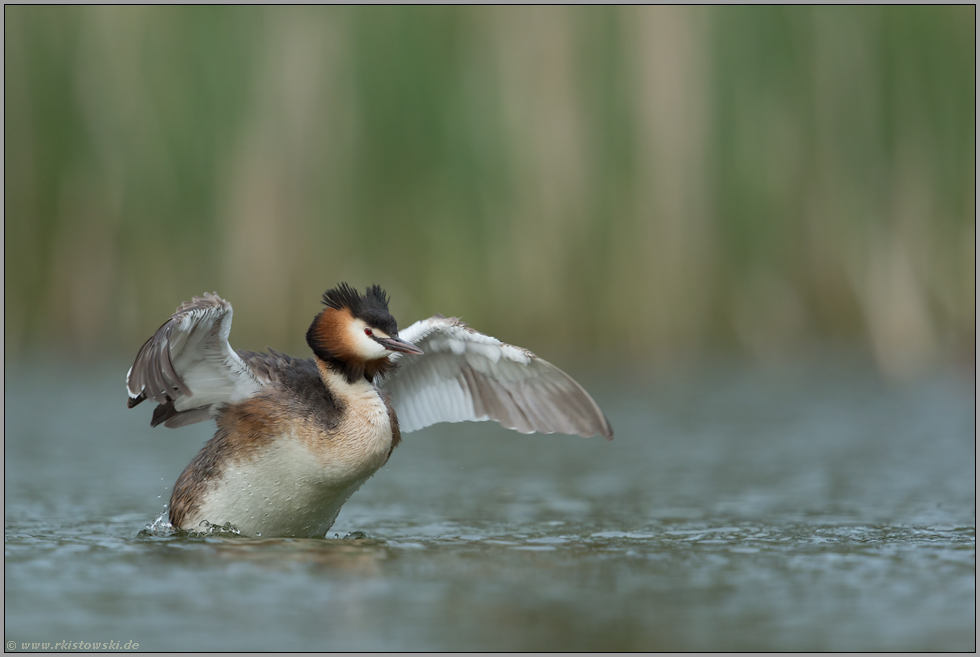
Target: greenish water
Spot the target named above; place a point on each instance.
(808, 509)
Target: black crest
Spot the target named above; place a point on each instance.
(372, 307)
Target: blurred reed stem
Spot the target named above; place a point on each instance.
(639, 182)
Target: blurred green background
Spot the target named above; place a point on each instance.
(638, 183)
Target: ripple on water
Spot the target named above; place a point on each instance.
(836, 513)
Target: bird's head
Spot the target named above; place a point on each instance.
(356, 329)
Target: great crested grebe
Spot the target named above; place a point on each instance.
(296, 437)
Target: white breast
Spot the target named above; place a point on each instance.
(366, 427)
(296, 485)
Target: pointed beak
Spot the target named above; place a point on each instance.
(397, 344)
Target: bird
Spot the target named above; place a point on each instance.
(296, 437)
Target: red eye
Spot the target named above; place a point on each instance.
(368, 331)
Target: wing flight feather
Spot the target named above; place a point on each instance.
(465, 375)
(189, 368)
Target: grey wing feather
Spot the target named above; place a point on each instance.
(269, 367)
(466, 375)
(189, 368)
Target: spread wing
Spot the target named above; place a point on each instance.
(189, 367)
(466, 375)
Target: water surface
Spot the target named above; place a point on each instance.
(817, 508)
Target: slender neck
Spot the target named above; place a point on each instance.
(352, 371)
